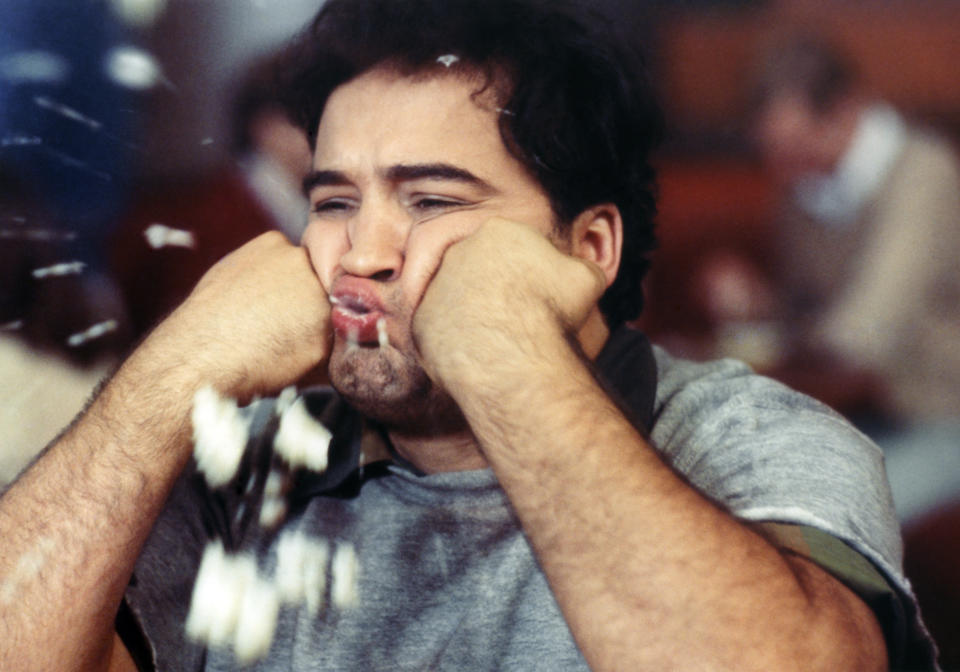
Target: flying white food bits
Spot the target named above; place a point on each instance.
(285, 399)
(447, 60)
(345, 570)
(13, 325)
(36, 234)
(79, 164)
(290, 562)
(256, 621)
(132, 67)
(237, 575)
(63, 268)
(138, 12)
(301, 570)
(273, 508)
(219, 436)
(34, 67)
(91, 333)
(20, 141)
(160, 235)
(67, 112)
(301, 439)
(274, 485)
(272, 512)
(383, 339)
(204, 603)
(231, 605)
(315, 574)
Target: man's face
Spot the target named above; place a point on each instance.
(404, 167)
(791, 136)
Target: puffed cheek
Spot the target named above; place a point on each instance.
(423, 255)
(325, 246)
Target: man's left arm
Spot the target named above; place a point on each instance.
(648, 572)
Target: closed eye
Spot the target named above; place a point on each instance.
(332, 206)
(426, 203)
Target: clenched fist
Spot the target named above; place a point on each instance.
(257, 321)
(498, 296)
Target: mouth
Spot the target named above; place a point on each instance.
(348, 303)
(358, 319)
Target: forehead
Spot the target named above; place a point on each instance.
(393, 118)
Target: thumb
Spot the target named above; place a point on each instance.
(579, 286)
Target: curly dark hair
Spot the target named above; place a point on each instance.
(577, 108)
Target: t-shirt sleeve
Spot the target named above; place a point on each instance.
(768, 454)
(891, 608)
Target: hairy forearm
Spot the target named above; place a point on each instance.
(73, 524)
(649, 573)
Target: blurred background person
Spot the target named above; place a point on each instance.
(725, 252)
(868, 246)
(177, 229)
(868, 278)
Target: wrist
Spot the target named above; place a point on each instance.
(180, 367)
(511, 366)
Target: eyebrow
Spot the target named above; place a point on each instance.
(434, 171)
(400, 173)
(323, 178)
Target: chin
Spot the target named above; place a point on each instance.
(393, 390)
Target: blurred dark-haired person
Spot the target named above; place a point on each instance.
(869, 240)
(177, 228)
(526, 483)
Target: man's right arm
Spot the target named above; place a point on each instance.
(74, 523)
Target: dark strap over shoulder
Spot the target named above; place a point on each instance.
(628, 371)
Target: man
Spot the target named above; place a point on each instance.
(870, 230)
(868, 238)
(481, 205)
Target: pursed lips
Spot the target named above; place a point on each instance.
(355, 314)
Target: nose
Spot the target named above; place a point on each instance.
(376, 243)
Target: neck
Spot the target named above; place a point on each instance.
(440, 453)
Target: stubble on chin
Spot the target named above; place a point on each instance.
(395, 391)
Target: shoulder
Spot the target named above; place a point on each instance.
(727, 397)
(930, 157)
(718, 411)
(768, 453)
(774, 457)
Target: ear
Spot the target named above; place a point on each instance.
(597, 236)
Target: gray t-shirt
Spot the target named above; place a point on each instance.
(448, 581)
